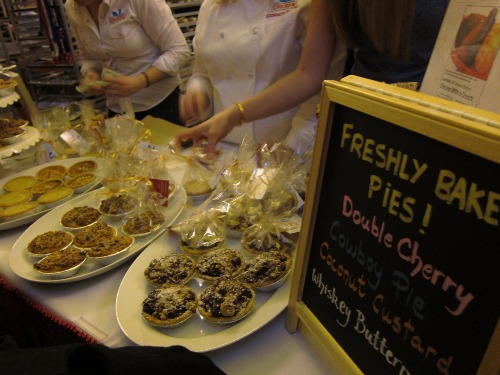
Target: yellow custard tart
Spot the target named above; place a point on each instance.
(14, 198)
(20, 183)
(44, 186)
(56, 196)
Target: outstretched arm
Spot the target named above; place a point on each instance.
(288, 92)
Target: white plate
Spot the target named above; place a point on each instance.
(196, 334)
(22, 264)
(31, 172)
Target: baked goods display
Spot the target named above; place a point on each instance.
(201, 234)
(169, 306)
(226, 301)
(266, 270)
(11, 129)
(80, 217)
(218, 264)
(49, 242)
(80, 182)
(172, 269)
(48, 187)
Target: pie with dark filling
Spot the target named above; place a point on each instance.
(169, 306)
(172, 269)
(118, 204)
(266, 269)
(143, 223)
(221, 263)
(257, 240)
(226, 301)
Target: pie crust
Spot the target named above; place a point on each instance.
(44, 186)
(49, 242)
(172, 269)
(52, 172)
(221, 263)
(90, 236)
(79, 217)
(20, 209)
(266, 269)
(15, 197)
(85, 166)
(20, 183)
(55, 195)
(169, 306)
(226, 301)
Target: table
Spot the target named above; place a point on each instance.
(90, 306)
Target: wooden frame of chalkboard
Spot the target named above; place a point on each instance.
(399, 251)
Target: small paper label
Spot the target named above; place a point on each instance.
(162, 188)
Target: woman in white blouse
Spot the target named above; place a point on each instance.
(140, 42)
(242, 47)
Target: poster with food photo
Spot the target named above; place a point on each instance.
(465, 63)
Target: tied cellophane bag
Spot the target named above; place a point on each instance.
(204, 229)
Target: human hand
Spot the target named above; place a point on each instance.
(209, 133)
(193, 105)
(123, 86)
(92, 75)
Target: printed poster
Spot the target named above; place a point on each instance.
(465, 63)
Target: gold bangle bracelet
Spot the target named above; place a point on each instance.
(242, 113)
(146, 77)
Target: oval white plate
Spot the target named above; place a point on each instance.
(31, 172)
(22, 265)
(196, 334)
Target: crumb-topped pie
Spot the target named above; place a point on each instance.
(110, 246)
(49, 242)
(171, 269)
(90, 236)
(226, 301)
(80, 216)
(220, 263)
(266, 269)
(169, 306)
(65, 262)
(143, 223)
(118, 204)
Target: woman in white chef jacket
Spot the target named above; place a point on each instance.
(242, 47)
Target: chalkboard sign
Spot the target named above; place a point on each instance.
(400, 244)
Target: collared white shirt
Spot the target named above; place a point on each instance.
(132, 35)
(244, 46)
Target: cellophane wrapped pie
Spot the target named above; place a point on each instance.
(266, 236)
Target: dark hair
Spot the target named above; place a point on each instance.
(386, 24)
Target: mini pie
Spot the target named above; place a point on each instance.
(60, 260)
(200, 237)
(118, 204)
(226, 301)
(20, 209)
(80, 180)
(197, 187)
(280, 203)
(44, 186)
(90, 236)
(172, 269)
(169, 306)
(85, 166)
(49, 242)
(110, 246)
(20, 183)
(266, 269)
(52, 172)
(55, 195)
(15, 197)
(80, 216)
(221, 263)
(257, 240)
(143, 223)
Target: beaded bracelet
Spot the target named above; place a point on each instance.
(146, 77)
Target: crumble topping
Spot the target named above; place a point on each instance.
(49, 242)
(80, 217)
(169, 305)
(219, 263)
(170, 269)
(266, 268)
(143, 223)
(109, 246)
(60, 260)
(118, 204)
(90, 236)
